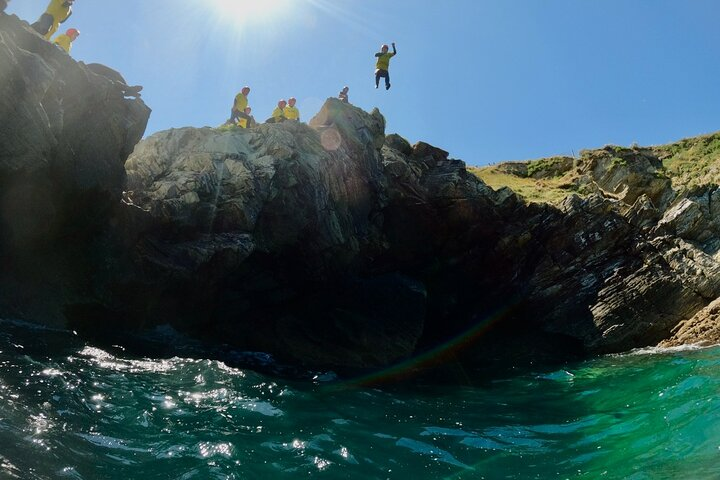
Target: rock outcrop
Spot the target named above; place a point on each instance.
(702, 329)
(330, 244)
(64, 137)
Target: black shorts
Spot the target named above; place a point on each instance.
(44, 24)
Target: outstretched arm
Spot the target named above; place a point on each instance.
(394, 49)
(379, 54)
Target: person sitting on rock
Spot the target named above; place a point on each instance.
(343, 95)
(248, 121)
(58, 11)
(239, 105)
(251, 120)
(65, 40)
(278, 115)
(382, 66)
(291, 112)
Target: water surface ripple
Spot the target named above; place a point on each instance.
(69, 409)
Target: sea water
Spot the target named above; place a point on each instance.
(70, 409)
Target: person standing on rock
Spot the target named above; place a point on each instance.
(291, 112)
(343, 95)
(58, 11)
(382, 66)
(65, 40)
(278, 115)
(239, 106)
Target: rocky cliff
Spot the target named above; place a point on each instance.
(330, 244)
(65, 134)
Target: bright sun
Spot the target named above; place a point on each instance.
(243, 12)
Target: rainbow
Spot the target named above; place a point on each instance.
(409, 367)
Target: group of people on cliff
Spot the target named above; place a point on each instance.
(241, 113)
(59, 11)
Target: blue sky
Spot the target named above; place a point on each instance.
(487, 80)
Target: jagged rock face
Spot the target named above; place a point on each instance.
(674, 281)
(319, 243)
(695, 218)
(65, 135)
(275, 223)
(277, 183)
(702, 329)
(331, 244)
(627, 174)
(328, 244)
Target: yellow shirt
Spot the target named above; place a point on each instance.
(278, 113)
(383, 61)
(241, 102)
(291, 113)
(60, 12)
(64, 42)
(242, 123)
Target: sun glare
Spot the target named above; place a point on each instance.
(246, 12)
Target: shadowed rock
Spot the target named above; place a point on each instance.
(64, 137)
(355, 250)
(328, 244)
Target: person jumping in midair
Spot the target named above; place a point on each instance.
(383, 65)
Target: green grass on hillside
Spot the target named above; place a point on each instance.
(551, 190)
(692, 161)
(688, 163)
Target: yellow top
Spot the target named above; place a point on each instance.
(241, 102)
(278, 113)
(242, 123)
(64, 42)
(60, 12)
(383, 61)
(291, 113)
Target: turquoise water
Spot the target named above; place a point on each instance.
(71, 410)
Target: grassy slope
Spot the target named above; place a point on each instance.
(688, 162)
(547, 190)
(692, 161)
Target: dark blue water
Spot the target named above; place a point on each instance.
(71, 410)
